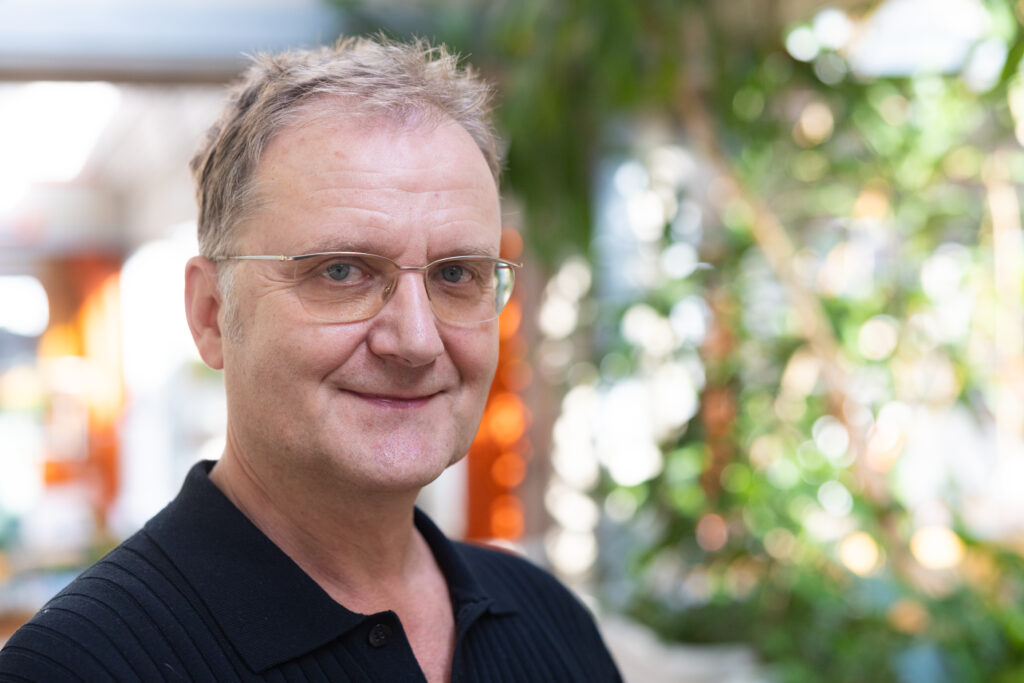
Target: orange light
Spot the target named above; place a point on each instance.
(501, 448)
(60, 340)
(516, 374)
(506, 419)
(507, 517)
(873, 202)
(908, 616)
(511, 243)
(508, 470)
(60, 471)
(101, 333)
(508, 322)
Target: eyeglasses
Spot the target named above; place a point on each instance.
(347, 287)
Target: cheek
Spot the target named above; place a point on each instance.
(476, 357)
(287, 353)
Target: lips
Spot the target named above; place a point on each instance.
(396, 400)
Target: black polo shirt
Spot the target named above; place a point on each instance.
(200, 594)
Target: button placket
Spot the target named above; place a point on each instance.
(379, 635)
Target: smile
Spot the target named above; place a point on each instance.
(395, 402)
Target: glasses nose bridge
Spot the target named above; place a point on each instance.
(422, 269)
(396, 270)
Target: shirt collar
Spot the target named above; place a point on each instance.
(268, 607)
(466, 591)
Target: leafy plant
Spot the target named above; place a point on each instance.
(861, 236)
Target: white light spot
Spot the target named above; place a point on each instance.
(647, 218)
(878, 337)
(783, 474)
(679, 260)
(558, 317)
(802, 44)
(571, 552)
(689, 319)
(155, 343)
(572, 509)
(906, 37)
(831, 437)
(48, 129)
(625, 434)
(859, 553)
(645, 327)
(943, 272)
(835, 499)
(675, 398)
(24, 306)
(848, 271)
(631, 178)
(985, 64)
(573, 278)
(24, 441)
(620, 505)
(832, 28)
(672, 165)
(937, 547)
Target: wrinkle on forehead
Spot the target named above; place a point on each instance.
(351, 173)
(357, 171)
(326, 110)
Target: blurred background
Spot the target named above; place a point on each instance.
(761, 397)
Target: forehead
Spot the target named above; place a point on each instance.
(331, 176)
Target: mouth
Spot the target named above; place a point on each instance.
(397, 402)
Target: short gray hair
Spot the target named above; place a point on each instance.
(368, 76)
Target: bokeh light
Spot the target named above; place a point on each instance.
(860, 553)
(802, 44)
(937, 547)
(712, 532)
(26, 308)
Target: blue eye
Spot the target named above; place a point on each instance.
(453, 273)
(338, 271)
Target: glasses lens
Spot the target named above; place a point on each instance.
(470, 289)
(343, 287)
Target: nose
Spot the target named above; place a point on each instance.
(405, 330)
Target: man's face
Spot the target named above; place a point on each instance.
(385, 403)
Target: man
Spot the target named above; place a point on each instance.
(348, 287)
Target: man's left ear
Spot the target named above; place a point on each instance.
(202, 308)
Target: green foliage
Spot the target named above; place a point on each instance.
(567, 70)
(749, 532)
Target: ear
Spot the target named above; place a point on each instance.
(202, 308)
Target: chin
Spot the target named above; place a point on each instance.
(409, 468)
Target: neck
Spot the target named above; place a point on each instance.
(361, 548)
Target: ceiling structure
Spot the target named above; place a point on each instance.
(102, 103)
(152, 40)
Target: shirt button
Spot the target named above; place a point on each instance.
(380, 634)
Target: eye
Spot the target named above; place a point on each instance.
(454, 273)
(338, 272)
(345, 269)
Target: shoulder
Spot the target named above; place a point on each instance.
(533, 611)
(515, 581)
(107, 624)
(497, 566)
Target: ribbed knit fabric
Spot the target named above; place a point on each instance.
(200, 594)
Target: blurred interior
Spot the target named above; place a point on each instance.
(104, 403)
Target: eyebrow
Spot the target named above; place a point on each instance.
(335, 245)
(365, 248)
